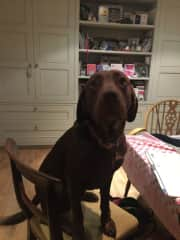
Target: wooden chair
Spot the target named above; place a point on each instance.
(162, 118)
(46, 227)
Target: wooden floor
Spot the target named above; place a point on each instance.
(8, 205)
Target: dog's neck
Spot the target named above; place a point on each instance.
(117, 149)
(94, 135)
(110, 146)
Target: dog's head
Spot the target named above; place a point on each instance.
(107, 101)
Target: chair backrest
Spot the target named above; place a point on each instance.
(43, 181)
(164, 118)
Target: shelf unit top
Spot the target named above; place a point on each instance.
(124, 1)
(138, 78)
(95, 51)
(116, 25)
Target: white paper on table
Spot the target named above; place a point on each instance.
(166, 166)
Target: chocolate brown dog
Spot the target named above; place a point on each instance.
(86, 156)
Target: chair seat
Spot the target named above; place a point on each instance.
(126, 224)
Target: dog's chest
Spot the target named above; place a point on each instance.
(95, 166)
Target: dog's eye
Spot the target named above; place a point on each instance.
(96, 82)
(120, 79)
(123, 82)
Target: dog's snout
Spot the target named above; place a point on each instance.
(110, 96)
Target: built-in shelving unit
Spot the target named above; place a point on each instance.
(94, 52)
(140, 78)
(116, 25)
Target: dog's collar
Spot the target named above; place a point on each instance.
(117, 149)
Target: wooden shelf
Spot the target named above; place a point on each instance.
(116, 25)
(93, 51)
(84, 77)
(133, 79)
(140, 78)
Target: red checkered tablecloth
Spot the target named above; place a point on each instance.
(140, 173)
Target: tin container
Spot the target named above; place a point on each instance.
(103, 14)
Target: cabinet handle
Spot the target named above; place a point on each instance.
(36, 65)
(35, 109)
(36, 128)
(29, 71)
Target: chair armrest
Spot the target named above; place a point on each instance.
(136, 131)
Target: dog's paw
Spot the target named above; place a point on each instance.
(78, 238)
(109, 228)
(90, 197)
(78, 234)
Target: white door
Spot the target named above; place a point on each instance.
(16, 53)
(166, 83)
(54, 42)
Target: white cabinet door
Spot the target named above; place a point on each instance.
(35, 125)
(16, 54)
(54, 42)
(166, 70)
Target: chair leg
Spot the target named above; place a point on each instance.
(30, 235)
(128, 185)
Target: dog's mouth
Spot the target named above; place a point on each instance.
(111, 131)
(110, 140)
(107, 135)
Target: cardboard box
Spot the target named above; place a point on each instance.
(129, 70)
(117, 66)
(103, 14)
(144, 18)
(115, 13)
(99, 67)
(91, 69)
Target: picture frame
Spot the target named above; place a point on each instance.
(133, 43)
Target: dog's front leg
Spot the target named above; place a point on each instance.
(77, 215)
(108, 225)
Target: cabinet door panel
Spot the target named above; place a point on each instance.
(168, 85)
(13, 47)
(28, 138)
(54, 48)
(15, 85)
(12, 12)
(171, 18)
(52, 12)
(170, 53)
(166, 64)
(53, 85)
(35, 124)
(15, 117)
(16, 51)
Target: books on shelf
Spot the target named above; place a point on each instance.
(166, 167)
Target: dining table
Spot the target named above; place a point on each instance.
(141, 174)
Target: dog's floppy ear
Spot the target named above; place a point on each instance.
(133, 106)
(81, 113)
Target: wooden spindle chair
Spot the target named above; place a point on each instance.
(46, 226)
(164, 118)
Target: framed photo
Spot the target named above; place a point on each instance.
(115, 13)
(142, 69)
(133, 43)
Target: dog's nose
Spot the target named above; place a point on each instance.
(110, 97)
